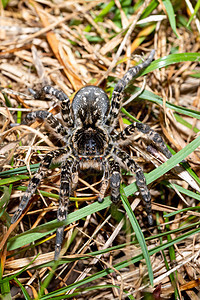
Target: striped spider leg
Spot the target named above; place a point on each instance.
(68, 172)
(125, 137)
(128, 163)
(115, 180)
(112, 120)
(50, 119)
(112, 177)
(36, 179)
(117, 95)
(68, 166)
(61, 96)
(61, 154)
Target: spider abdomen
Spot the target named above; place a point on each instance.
(92, 165)
(90, 106)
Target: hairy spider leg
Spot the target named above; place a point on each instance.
(140, 180)
(105, 181)
(117, 95)
(75, 174)
(61, 96)
(124, 136)
(111, 176)
(35, 181)
(115, 180)
(49, 118)
(65, 191)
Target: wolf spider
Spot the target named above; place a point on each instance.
(91, 142)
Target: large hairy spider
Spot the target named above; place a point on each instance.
(90, 142)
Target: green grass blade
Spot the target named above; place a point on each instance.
(4, 3)
(5, 197)
(168, 165)
(24, 291)
(48, 279)
(169, 60)
(47, 228)
(18, 273)
(121, 246)
(181, 211)
(149, 96)
(34, 234)
(90, 288)
(123, 264)
(149, 9)
(197, 6)
(171, 276)
(13, 179)
(195, 75)
(181, 190)
(171, 15)
(185, 123)
(5, 290)
(102, 14)
(138, 233)
(19, 170)
(172, 255)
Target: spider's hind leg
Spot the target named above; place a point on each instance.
(66, 184)
(140, 180)
(35, 181)
(147, 132)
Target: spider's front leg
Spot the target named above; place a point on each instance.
(35, 181)
(125, 136)
(140, 180)
(61, 96)
(67, 176)
(117, 95)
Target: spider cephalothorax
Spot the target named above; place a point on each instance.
(91, 142)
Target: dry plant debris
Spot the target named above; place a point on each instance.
(69, 44)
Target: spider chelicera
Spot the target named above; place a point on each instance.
(91, 142)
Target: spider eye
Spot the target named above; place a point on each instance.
(90, 146)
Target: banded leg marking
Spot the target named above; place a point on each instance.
(121, 85)
(61, 96)
(112, 176)
(140, 181)
(115, 180)
(35, 181)
(147, 133)
(49, 118)
(65, 191)
(105, 181)
(75, 174)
